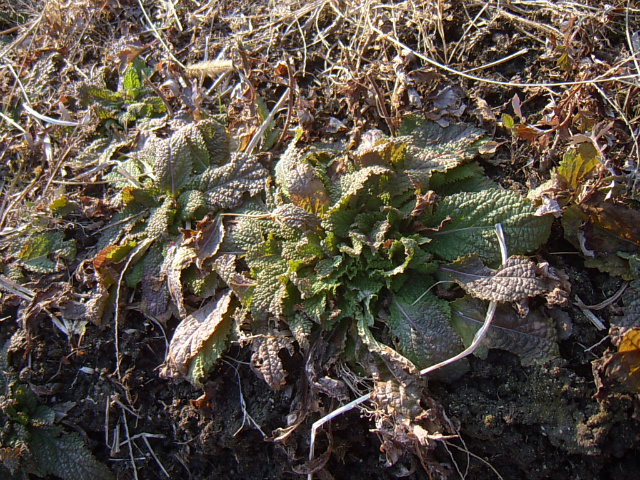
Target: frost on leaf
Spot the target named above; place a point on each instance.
(225, 267)
(265, 359)
(199, 340)
(533, 338)
(209, 237)
(424, 335)
(155, 294)
(472, 217)
(296, 217)
(191, 149)
(178, 257)
(515, 280)
(270, 290)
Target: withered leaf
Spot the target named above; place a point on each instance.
(623, 366)
(209, 237)
(199, 341)
(177, 258)
(533, 337)
(265, 361)
(225, 267)
(515, 280)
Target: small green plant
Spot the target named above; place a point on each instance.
(354, 242)
(168, 185)
(31, 442)
(131, 102)
(40, 252)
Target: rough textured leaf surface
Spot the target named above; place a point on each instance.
(533, 338)
(65, 455)
(423, 333)
(201, 339)
(515, 280)
(224, 186)
(471, 227)
(266, 362)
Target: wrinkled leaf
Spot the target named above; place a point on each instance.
(299, 181)
(65, 455)
(469, 221)
(435, 148)
(424, 335)
(199, 340)
(209, 237)
(515, 280)
(177, 257)
(265, 360)
(533, 338)
(224, 186)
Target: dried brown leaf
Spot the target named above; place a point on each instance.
(211, 322)
(515, 280)
(265, 361)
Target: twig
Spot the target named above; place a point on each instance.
(589, 314)
(129, 444)
(612, 299)
(600, 79)
(153, 454)
(116, 317)
(158, 36)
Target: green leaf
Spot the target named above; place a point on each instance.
(466, 225)
(508, 121)
(533, 338)
(191, 203)
(465, 178)
(131, 82)
(270, 290)
(160, 219)
(65, 455)
(91, 93)
(224, 186)
(435, 148)
(423, 333)
(577, 164)
(351, 184)
(62, 206)
(35, 253)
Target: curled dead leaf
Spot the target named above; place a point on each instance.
(265, 361)
(200, 338)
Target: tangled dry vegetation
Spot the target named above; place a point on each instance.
(314, 187)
